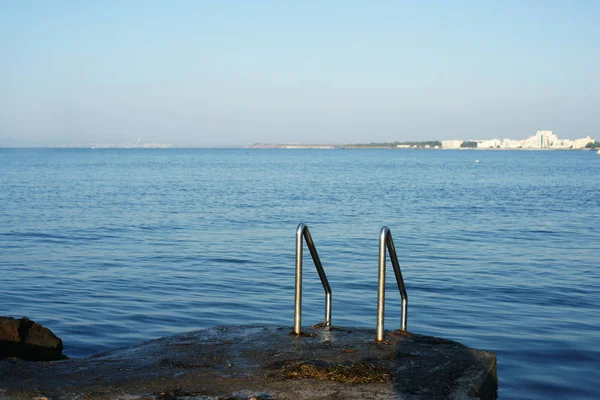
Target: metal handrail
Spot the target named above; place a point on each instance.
(303, 231)
(385, 240)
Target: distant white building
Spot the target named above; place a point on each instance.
(511, 144)
(581, 143)
(451, 144)
(548, 140)
(562, 144)
(489, 144)
(541, 140)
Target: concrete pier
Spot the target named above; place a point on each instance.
(264, 362)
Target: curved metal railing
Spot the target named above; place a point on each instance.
(301, 232)
(385, 240)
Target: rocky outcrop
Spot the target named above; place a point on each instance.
(264, 362)
(26, 339)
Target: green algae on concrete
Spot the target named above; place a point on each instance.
(264, 362)
(348, 372)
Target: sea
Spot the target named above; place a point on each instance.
(500, 250)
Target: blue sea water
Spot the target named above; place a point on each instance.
(109, 248)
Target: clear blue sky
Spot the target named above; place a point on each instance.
(226, 73)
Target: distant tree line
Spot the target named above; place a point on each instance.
(430, 143)
(595, 145)
(469, 144)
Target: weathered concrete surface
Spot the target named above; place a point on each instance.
(264, 363)
(28, 340)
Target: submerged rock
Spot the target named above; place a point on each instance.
(26, 339)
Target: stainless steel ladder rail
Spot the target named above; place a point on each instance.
(385, 240)
(301, 232)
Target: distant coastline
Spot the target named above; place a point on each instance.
(542, 140)
(115, 146)
(292, 146)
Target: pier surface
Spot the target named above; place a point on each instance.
(263, 362)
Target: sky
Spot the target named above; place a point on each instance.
(232, 73)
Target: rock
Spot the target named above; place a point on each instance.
(265, 362)
(26, 339)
